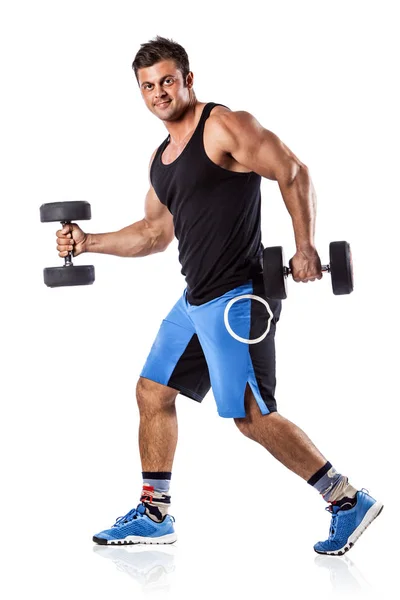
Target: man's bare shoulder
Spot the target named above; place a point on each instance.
(231, 122)
(228, 126)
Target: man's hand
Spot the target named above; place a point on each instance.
(71, 238)
(306, 265)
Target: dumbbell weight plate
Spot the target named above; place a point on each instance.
(274, 275)
(341, 268)
(77, 210)
(66, 276)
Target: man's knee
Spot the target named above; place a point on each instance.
(152, 396)
(249, 425)
(254, 420)
(245, 426)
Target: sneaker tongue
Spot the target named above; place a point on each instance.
(335, 509)
(141, 508)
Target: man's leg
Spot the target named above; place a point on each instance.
(158, 427)
(150, 523)
(158, 436)
(355, 510)
(282, 438)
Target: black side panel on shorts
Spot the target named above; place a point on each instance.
(191, 371)
(263, 354)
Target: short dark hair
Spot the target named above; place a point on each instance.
(158, 49)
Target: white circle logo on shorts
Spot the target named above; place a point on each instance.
(229, 328)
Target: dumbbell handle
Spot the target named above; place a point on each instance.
(287, 271)
(68, 258)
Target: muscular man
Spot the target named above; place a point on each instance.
(205, 189)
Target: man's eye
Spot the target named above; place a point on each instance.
(169, 81)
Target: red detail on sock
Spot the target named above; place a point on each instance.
(147, 493)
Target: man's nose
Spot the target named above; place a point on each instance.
(159, 91)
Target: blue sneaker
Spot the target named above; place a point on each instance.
(137, 528)
(348, 525)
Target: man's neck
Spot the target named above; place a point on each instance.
(181, 129)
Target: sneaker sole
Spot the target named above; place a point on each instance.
(369, 516)
(137, 539)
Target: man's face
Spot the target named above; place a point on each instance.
(163, 89)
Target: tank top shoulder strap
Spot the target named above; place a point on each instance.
(207, 110)
(204, 116)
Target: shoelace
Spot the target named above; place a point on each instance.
(332, 529)
(335, 516)
(132, 514)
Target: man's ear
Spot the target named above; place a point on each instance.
(189, 79)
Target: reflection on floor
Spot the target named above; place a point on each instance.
(344, 575)
(150, 568)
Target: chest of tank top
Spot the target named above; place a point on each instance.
(192, 177)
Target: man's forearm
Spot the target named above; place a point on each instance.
(133, 241)
(300, 199)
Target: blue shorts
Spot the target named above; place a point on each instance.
(194, 350)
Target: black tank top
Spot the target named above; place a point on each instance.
(216, 215)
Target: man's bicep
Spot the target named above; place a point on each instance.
(158, 217)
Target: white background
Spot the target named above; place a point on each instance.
(322, 76)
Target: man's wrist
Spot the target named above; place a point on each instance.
(306, 247)
(87, 243)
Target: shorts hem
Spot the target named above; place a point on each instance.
(235, 416)
(185, 392)
(225, 416)
(180, 388)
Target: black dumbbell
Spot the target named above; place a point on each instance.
(340, 267)
(68, 274)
